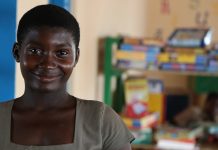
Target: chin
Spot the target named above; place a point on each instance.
(42, 87)
(45, 89)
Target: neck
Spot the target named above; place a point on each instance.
(40, 100)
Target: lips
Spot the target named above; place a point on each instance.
(47, 77)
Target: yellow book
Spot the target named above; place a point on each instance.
(136, 90)
(156, 104)
(130, 55)
(164, 57)
(186, 58)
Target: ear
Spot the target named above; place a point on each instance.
(77, 56)
(15, 51)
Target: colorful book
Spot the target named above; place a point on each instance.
(145, 48)
(132, 64)
(157, 104)
(136, 97)
(130, 55)
(148, 121)
(177, 144)
(169, 137)
(136, 90)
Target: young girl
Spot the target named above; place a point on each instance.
(46, 117)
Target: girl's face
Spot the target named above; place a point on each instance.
(47, 57)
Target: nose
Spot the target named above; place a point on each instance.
(48, 61)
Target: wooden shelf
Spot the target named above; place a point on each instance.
(112, 71)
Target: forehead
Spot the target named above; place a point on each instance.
(46, 34)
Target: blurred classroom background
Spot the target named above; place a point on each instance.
(155, 62)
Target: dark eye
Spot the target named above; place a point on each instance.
(35, 51)
(62, 53)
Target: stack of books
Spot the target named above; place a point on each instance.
(175, 138)
(183, 59)
(182, 144)
(213, 60)
(138, 53)
(186, 50)
(145, 107)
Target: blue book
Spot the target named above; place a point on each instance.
(127, 47)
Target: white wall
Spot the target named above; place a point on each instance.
(99, 18)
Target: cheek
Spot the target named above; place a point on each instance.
(29, 62)
(26, 65)
(68, 67)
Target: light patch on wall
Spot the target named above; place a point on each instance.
(174, 20)
(214, 8)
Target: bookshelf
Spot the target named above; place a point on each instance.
(111, 71)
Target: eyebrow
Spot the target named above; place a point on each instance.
(58, 45)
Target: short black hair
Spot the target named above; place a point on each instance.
(48, 15)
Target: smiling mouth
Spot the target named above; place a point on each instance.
(47, 77)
